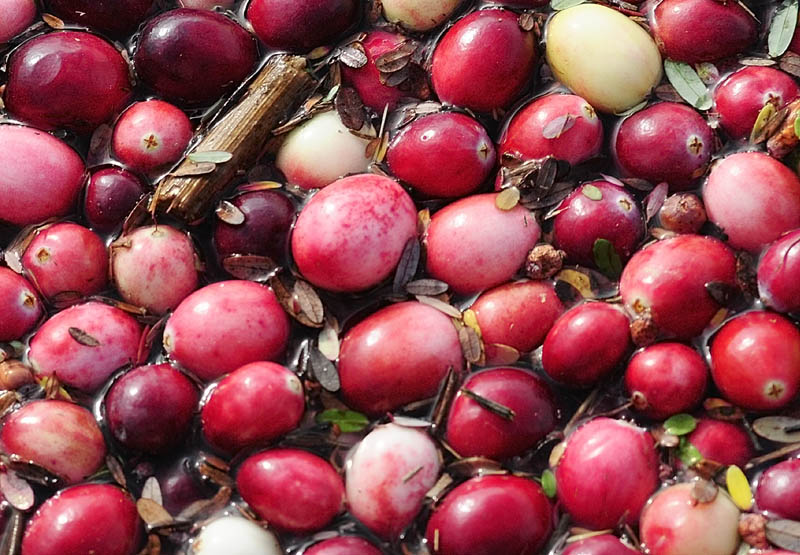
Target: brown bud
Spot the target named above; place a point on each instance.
(683, 213)
(544, 261)
(746, 276)
(644, 331)
(14, 374)
(753, 529)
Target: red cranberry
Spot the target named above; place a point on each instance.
(343, 545)
(91, 518)
(68, 79)
(22, 308)
(457, 151)
(667, 281)
(604, 544)
(150, 408)
(378, 371)
(25, 156)
(111, 194)
(174, 55)
(484, 61)
(777, 492)
(666, 142)
(520, 523)
(695, 31)
(473, 430)
(292, 489)
(561, 125)
(17, 16)
(116, 17)
(727, 443)
(235, 415)
(666, 379)
(351, 234)
(301, 25)
(779, 274)
(755, 361)
(248, 324)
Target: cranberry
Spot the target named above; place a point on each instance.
(343, 545)
(779, 274)
(301, 25)
(457, 151)
(92, 518)
(724, 442)
(207, 4)
(604, 544)
(22, 308)
(248, 324)
(180, 487)
(116, 17)
(18, 15)
(173, 55)
(484, 61)
(150, 408)
(419, 15)
(608, 470)
(682, 213)
(235, 415)
(111, 194)
(233, 535)
(25, 156)
(292, 489)
(350, 236)
(755, 361)
(520, 523)
(68, 79)
(59, 436)
(777, 491)
(379, 372)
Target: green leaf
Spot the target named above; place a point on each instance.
(549, 483)
(680, 424)
(558, 5)
(606, 258)
(782, 28)
(347, 420)
(763, 117)
(688, 453)
(592, 192)
(684, 78)
(797, 127)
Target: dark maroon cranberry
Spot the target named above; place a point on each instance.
(301, 25)
(778, 490)
(115, 17)
(180, 486)
(779, 274)
(111, 194)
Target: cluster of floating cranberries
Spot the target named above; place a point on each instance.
(503, 277)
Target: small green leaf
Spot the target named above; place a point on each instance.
(213, 156)
(688, 453)
(684, 78)
(559, 5)
(592, 192)
(763, 117)
(549, 483)
(782, 28)
(347, 420)
(606, 258)
(797, 127)
(680, 424)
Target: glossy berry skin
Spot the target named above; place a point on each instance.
(615, 217)
(484, 61)
(172, 56)
(62, 437)
(665, 142)
(724, 442)
(458, 154)
(695, 31)
(111, 194)
(343, 545)
(300, 25)
(593, 487)
(54, 350)
(378, 369)
(666, 379)
(755, 361)
(293, 490)
(666, 280)
(69, 523)
(779, 274)
(207, 4)
(150, 408)
(180, 485)
(248, 324)
(419, 15)
(17, 16)
(474, 245)
(579, 140)
(476, 431)
(67, 79)
(521, 520)
(235, 415)
(67, 259)
(586, 344)
(27, 154)
(350, 236)
(114, 17)
(234, 535)
(604, 544)
(22, 307)
(777, 492)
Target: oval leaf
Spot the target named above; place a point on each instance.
(688, 84)
(782, 28)
(430, 287)
(347, 420)
(83, 338)
(324, 371)
(688, 453)
(507, 199)
(780, 429)
(784, 533)
(213, 156)
(249, 266)
(328, 342)
(591, 192)
(558, 126)
(470, 344)
(606, 258)
(497, 353)
(578, 280)
(407, 266)
(17, 491)
(188, 169)
(766, 113)
(229, 213)
(152, 490)
(558, 5)
(152, 513)
(655, 200)
(441, 306)
(680, 424)
(739, 487)
(309, 302)
(549, 483)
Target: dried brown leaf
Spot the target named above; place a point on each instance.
(250, 266)
(350, 108)
(17, 492)
(115, 467)
(471, 345)
(407, 266)
(441, 306)
(428, 287)
(152, 513)
(497, 353)
(52, 21)
(190, 168)
(206, 507)
(83, 338)
(152, 490)
(353, 55)
(397, 58)
(780, 429)
(309, 302)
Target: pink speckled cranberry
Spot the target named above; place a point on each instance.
(753, 198)
(519, 518)
(388, 475)
(225, 325)
(67, 79)
(17, 16)
(778, 490)
(60, 348)
(150, 408)
(26, 154)
(474, 245)
(457, 151)
(721, 441)
(484, 61)
(174, 56)
(116, 17)
(607, 472)
(292, 489)
(343, 545)
(91, 518)
(22, 308)
(351, 234)
(472, 430)
(604, 544)
(301, 25)
(236, 416)
(665, 142)
(111, 194)
(535, 132)
(667, 281)
(779, 274)
(67, 258)
(151, 135)
(378, 370)
(61, 437)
